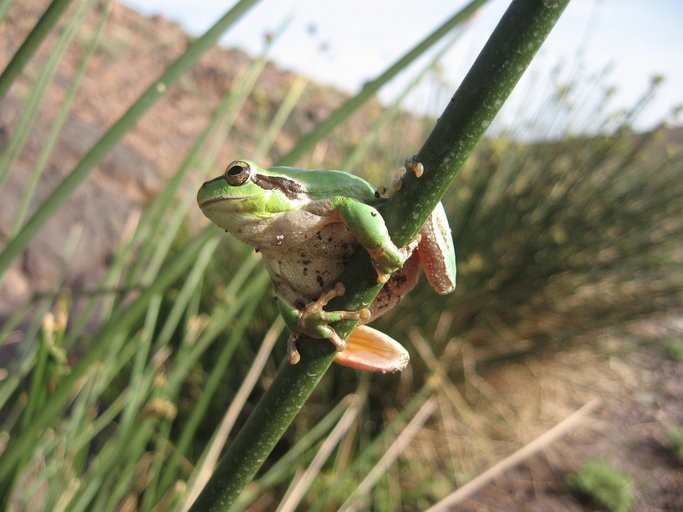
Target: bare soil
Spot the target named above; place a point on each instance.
(641, 395)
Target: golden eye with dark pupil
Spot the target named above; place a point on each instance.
(237, 173)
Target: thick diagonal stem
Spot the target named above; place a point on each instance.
(499, 66)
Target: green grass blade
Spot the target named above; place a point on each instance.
(191, 284)
(47, 71)
(210, 387)
(58, 123)
(275, 126)
(32, 335)
(116, 132)
(105, 299)
(38, 378)
(353, 161)
(103, 473)
(4, 7)
(214, 448)
(31, 44)
(61, 396)
(139, 370)
(216, 326)
(298, 488)
(150, 498)
(25, 361)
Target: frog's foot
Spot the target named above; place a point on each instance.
(314, 321)
(382, 276)
(317, 306)
(372, 350)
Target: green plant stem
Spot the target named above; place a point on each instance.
(31, 43)
(102, 147)
(263, 429)
(370, 88)
(287, 464)
(507, 53)
(489, 82)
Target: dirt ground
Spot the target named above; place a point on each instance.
(641, 395)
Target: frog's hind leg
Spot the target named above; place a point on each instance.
(365, 348)
(401, 282)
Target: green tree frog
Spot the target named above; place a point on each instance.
(306, 224)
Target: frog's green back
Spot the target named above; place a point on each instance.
(327, 183)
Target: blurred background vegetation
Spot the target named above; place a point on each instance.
(135, 340)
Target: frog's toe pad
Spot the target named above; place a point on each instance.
(371, 350)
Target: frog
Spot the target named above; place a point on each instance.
(306, 224)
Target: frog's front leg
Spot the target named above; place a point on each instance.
(368, 226)
(314, 321)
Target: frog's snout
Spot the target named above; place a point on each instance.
(217, 178)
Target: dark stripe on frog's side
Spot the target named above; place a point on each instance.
(290, 188)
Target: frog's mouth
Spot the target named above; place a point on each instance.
(215, 200)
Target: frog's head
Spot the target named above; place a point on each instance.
(246, 192)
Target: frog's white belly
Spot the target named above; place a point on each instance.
(307, 264)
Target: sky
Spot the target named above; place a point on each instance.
(345, 44)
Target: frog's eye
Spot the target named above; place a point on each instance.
(238, 173)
